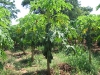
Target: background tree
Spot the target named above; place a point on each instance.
(18, 36)
(98, 7)
(26, 2)
(9, 4)
(5, 40)
(89, 26)
(33, 28)
(76, 11)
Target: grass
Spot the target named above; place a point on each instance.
(81, 62)
(23, 66)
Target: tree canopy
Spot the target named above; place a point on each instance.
(8, 4)
(76, 11)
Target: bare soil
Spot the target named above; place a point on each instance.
(62, 68)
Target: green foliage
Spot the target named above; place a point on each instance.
(4, 17)
(80, 61)
(46, 27)
(16, 35)
(3, 57)
(33, 28)
(26, 2)
(10, 6)
(53, 21)
(88, 26)
(77, 10)
(1, 66)
(98, 7)
(5, 39)
(86, 10)
(52, 27)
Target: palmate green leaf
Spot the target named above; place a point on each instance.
(85, 21)
(10, 6)
(56, 36)
(58, 40)
(50, 5)
(4, 17)
(73, 32)
(70, 49)
(89, 27)
(5, 39)
(4, 12)
(32, 26)
(62, 19)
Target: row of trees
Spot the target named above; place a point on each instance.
(76, 11)
(56, 22)
(49, 23)
(8, 11)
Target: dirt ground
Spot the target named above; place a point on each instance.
(62, 68)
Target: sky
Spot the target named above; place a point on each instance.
(91, 3)
(24, 11)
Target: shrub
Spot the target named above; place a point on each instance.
(80, 61)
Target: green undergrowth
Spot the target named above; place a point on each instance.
(79, 62)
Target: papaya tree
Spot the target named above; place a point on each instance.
(88, 26)
(5, 39)
(18, 36)
(33, 30)
(53, 20)
(97, 33)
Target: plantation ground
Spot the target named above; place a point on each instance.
(19, 64)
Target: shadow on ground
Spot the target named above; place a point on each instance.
(41, 72)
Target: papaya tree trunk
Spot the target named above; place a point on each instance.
(32, 53)
(90, 56)
(48, 66)
(89, 42)
(23, 51)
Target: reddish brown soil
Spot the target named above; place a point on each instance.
(63, 69)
